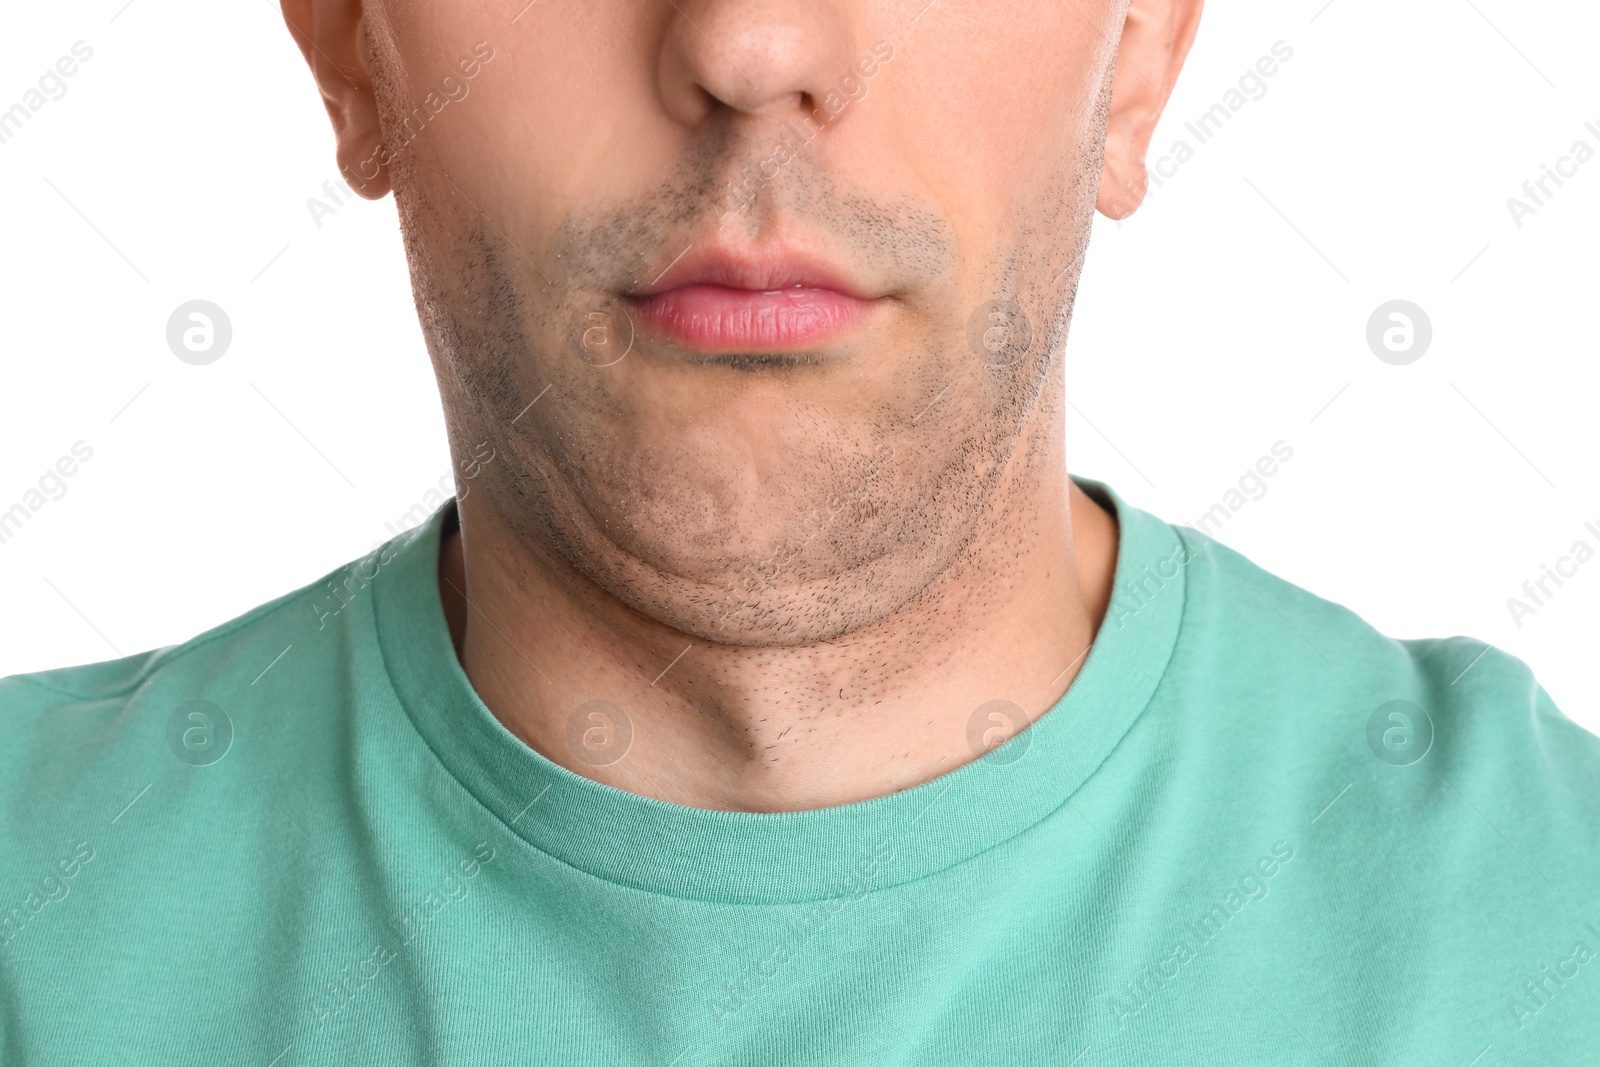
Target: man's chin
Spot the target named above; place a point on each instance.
(785, 620)
(739, 609)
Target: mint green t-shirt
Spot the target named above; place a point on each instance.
(1253, 831)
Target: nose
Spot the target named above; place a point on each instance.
(752, 56)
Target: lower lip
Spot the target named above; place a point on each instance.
(716, 319)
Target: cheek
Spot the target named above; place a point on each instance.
(564, 113)
(1007, 102)
(997, 133)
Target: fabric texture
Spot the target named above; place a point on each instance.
(1254, 830)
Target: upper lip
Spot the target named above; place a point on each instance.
(752, 269)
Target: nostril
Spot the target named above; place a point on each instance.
(750, 55)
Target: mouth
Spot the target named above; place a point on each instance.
(716, 302)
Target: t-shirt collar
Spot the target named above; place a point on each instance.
(786, 857)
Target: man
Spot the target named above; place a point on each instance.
(771, 695)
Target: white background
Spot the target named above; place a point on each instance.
(1229, 314)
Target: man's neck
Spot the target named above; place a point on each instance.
(788, 728)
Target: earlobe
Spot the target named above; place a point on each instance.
(1155, 41)
(331, 35)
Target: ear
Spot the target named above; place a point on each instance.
(1155, 41)
(333, 39)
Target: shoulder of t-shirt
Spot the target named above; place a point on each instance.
(1486, 700)
(229, 649)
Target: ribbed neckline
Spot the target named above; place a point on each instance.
(787, 857)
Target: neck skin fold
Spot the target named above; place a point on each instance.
(769, 729)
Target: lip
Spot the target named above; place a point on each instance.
(719, 301)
